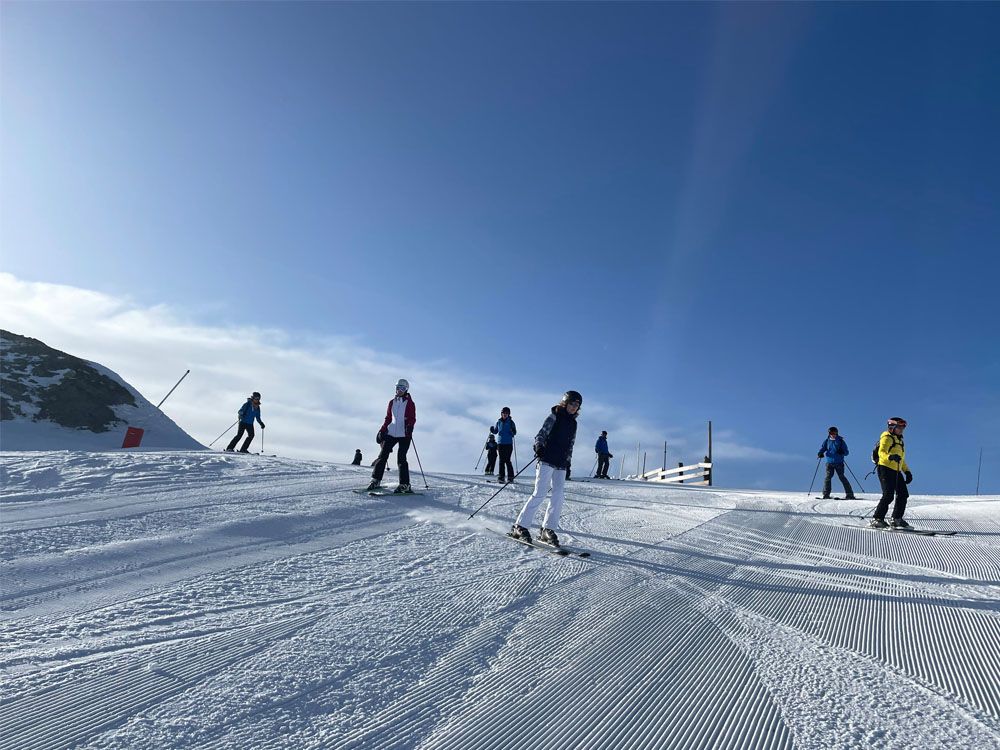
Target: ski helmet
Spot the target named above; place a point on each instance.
(572, 397)
(402, 385)
(604, 433)
(505, 410)
(255, 396)
(897, 422)
(834, 431)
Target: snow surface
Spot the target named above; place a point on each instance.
(206, 600)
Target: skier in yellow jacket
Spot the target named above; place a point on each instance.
(893, 475)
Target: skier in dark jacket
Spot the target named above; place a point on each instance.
(397, 429)
(357, 458)
(554, 450)
(491, 454)
(835, 448)
(505, 430)
(248, 412)
(603, 456)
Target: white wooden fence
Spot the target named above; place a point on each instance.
(695, 474)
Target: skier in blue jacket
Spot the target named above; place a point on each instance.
(248, 413)
(835, 448)
(603, 456)
(505, 430)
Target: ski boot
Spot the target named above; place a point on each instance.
(899, 523)
(849, 497)
(548, 536)
(501, 480)
(374, 485)
(878, 523)
(519, 532)
(403, 489)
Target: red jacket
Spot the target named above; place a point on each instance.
(409, 419)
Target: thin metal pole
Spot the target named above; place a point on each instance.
(417, 454)
(853, 475)
(502, 488)
(644, 464)
(664, 455)
(979, 473)
(513, 441)
(638, 446)
(595, 466)
(809, 491)
(223, 433)
(174, 389)
(480, 457)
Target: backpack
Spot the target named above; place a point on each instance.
(878, 442)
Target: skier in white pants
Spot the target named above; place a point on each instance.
(554, 450)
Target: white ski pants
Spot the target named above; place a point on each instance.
(545, 476)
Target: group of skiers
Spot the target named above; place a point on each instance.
(894, 474)
(553, 449)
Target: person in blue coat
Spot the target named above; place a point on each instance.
(248, 413)
(835, 448)
(505, 430)
(603, 456)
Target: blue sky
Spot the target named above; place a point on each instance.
(778, 217)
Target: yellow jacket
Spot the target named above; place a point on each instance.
(890, 445)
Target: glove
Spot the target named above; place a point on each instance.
(493, 430)
(380, 436)
(611, 455)
(819, 455)
(895, 457)
(909, 476)
(262, 425)
(539, 450)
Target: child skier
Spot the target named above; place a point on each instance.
(505, 430)
(835, 448)
(247, 413)
(893, 475)
(397, 429)
(554, 450)
(491, 454)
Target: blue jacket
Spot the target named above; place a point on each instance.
(835, 450)
(602, 445)
(505, 431)
(249, 412)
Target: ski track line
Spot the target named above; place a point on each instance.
(72, 713)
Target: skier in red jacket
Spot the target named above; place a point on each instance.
(397, 429)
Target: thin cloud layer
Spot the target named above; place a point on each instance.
(323, 396)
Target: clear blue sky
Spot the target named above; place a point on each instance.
(779, 217)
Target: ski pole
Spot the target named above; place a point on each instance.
(513, 441)
(224, 432)
(814, 476)
(852, 474)
(595, 466)
(417, 454)
(480, 458)
(502, 488)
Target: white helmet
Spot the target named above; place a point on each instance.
(402, 385)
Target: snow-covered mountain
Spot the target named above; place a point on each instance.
(207, 600)
(51, 400)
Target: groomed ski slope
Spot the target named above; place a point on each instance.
(198, 600)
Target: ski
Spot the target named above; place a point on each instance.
(890, 529)
(537, 545)
(567, 550)
(382, 493)
(838, 498)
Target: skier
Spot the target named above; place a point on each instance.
(397, 429)
(893, 475)
(248, 412)
(491, 454)
(505, 430)
(357, 458)
(835, 448)
(554, 450)
(603, 456)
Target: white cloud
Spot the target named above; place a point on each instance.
(322, 396)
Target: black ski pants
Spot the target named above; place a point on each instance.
(893, 486)
(388, 443)
(506, 467)
(491, 461)
(828, 482)
(603, 463)
(248, 429)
